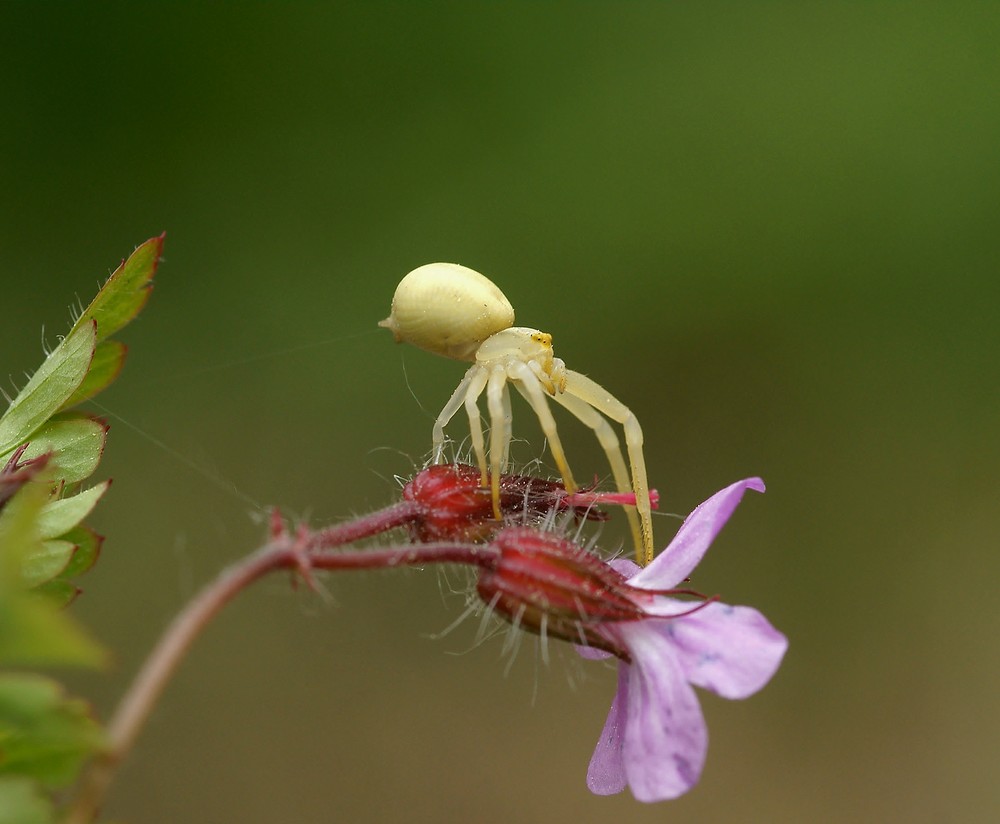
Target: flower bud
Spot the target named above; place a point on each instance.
(550, 586)
(454, 506)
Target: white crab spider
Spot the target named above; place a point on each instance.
(453, 311)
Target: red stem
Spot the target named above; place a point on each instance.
(303, 553)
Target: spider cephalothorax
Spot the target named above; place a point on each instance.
(456, 312)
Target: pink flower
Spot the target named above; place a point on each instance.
(655, 739)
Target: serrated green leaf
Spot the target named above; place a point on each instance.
(22, 802)
(45, 564)
(59, 592)
(58, 587)
(126, 291)
(109, 357)
(44, 735)
(61, 516)
(19, 534)
(34, 632)
(32, 629)
(88, 549)
(49, 388)
(76, 441)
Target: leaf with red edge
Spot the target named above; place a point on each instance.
(126, 291)
(75, 441)
(32, 630)
(59, 591)
(109, 358)
(49, 568)
(48, 389)
(88, 549)
(46, 562)
(61, 516)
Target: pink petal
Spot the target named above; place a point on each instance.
(665, 735)
(624, 566)
(694, 537)
(732, 651)
(591, 653)
(606, 774)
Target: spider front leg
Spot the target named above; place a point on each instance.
(599, 398)
(531, 389)
(608, 440)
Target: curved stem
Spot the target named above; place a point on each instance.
(302, 554)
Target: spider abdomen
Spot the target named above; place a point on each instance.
(448, 309)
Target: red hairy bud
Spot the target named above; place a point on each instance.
(453, 506)
(549, 585)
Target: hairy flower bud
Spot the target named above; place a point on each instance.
(453, 506)
(550, 586)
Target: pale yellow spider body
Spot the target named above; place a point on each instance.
(456, 312)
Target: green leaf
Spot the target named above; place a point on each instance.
(55, 381)
(72, 554)
(61, 516)
(19, 533)
(58, 587)
(126, 291)
(44, 565)
(58, 591)
(76, 441)
(34, 632)
(109, 357)
(22, 802)
(32, 629)
(88, 548)
(44, 735)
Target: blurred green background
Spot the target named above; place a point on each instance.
(771, 229)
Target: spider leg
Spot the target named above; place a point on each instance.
(508, 419)
(450, 408)
(612, 448)
(476, 387)
(599, 398)
(530, 387)
(499, 438)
